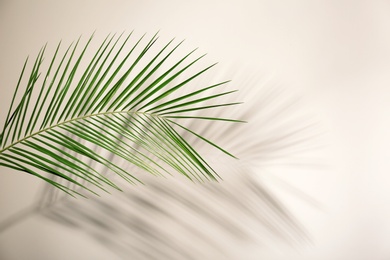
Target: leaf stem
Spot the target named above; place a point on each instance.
(72, 120)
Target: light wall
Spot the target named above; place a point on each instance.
(333, 54)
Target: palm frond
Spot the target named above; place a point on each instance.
(173, 219)
(124, 101)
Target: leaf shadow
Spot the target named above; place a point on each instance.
(174, 218)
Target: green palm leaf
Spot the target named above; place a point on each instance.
(124, 102)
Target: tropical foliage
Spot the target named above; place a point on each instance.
(127, 100)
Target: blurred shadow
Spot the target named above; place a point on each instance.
(174, 218)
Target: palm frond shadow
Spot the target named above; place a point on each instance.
(161, 222)
(175, 219)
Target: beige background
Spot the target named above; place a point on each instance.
(335, 54)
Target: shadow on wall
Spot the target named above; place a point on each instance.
(177, 219)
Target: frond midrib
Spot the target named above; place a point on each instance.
(75, 120)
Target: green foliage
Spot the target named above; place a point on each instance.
(118, 103)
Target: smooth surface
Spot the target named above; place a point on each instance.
(335, 54)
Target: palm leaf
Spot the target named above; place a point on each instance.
(173, 219)
(124, 101)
